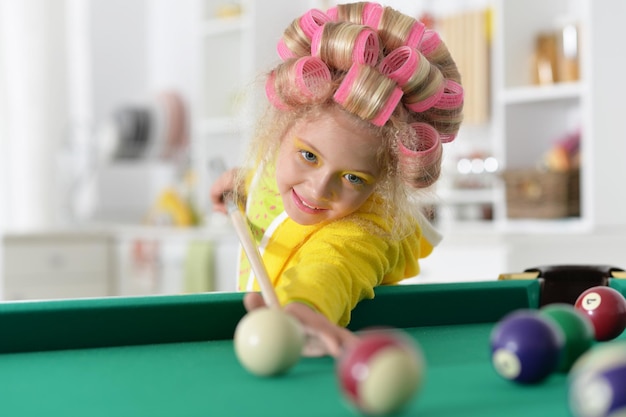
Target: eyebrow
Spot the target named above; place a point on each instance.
(299, 141)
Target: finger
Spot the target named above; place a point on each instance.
(252, 301)
(319, 344)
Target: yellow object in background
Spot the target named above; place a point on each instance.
(171, 210)
(226, 10)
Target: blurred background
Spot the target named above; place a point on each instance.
(112, 113)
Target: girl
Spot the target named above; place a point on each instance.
(361, 103)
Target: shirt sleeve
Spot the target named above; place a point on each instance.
(341, 264)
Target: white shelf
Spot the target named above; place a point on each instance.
(534, 94)
(543, 226)
(466, 196)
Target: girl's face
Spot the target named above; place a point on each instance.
(326, 168)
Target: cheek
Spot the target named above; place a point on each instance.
(355, 200)
(285, 174)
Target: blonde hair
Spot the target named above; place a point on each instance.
(385, 69)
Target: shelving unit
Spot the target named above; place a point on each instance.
(530, 118)
(234, 50)
(527, 119)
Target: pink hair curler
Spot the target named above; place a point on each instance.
(348, 84)
(452, 96)
(428, 142)
(447, 137)
(283, 50)
(332, 13)
(428, 102)
(270, 92)
(312, 20)
(372, 13)
(311, 76)
(365, 49)
(316, 39)
(400, 64)
(416, 34)
(430, 41)
(385, 113)
(418, 159)
(343, 91)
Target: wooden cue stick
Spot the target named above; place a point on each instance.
(252, 252)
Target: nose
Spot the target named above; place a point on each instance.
(323, 186)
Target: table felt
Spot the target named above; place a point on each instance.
(204, 378)
(159, 356)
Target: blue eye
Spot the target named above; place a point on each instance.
(308, 156)
(353, 179)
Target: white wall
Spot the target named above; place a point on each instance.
(608, 90)
(119, 38)
(34, 110)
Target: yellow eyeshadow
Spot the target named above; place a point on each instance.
(368, 179)
(298, 143)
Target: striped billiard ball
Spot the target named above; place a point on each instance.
(381, 373)
(526, 347)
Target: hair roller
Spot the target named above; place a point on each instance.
(332, 13)
(300, 81)
(342, 44)
(415, 35)
(400, 65)
(312, 77)
(428, 102)
(283, 51)
(372, 12)
(272, 95)
(419, 155)
(397, 29)
(429, 43)
(452, 96)
(312, 20)
(296, 40)
(368, 94)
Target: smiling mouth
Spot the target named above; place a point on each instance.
(303, 205)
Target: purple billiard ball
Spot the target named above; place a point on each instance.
(599, 394)
(597, 381)
(526, 347)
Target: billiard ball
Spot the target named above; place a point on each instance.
(597, 382)
(601, 356)
(606, 308)
(577, 330)
(526, 347)
(268, 341)
(382, 372)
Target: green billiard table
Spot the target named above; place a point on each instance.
(173, 356)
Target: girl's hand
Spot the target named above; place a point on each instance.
(224, 185)
(323, 336)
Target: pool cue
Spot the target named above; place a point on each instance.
(216, 168)
(253, 254)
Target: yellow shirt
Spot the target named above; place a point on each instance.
(329, 266)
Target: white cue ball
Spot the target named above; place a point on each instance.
(268, 341)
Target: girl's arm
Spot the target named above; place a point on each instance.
(334, 339)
